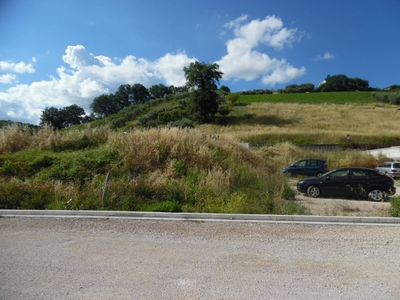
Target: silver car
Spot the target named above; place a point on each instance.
(390, 168)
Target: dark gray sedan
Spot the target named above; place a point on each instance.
(360, 183)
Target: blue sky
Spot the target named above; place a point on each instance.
(59, 53)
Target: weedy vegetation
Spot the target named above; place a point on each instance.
(182, 169)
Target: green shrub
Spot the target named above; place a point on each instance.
(74, 144)
(394, 209)
(164, 206)
(16, 194)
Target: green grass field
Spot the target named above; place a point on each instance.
(311, 98)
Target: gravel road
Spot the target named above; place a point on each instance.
(73, 258)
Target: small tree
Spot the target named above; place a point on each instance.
(63, 117)
(202, 79)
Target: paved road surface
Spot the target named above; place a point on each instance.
(74, 258)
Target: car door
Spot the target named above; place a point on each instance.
(312, 168)
(300, 167)
(335, 184)
(358, 183)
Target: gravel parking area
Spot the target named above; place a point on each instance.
(71, 258)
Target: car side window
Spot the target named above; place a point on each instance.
(341, 174)
(302, 163)
(359, 174)
(312, 163)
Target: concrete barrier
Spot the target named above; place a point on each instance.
(392, 152)
(201, 216)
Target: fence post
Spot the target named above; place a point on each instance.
(108, 177)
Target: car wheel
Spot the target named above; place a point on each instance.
(319, 174)
(376, 195)
(313, 191)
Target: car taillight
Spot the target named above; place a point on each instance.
(386, 175)
(394, 170)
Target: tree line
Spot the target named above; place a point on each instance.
(202, 105)
(335, 83)
(200, 102)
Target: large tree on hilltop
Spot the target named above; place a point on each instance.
(202, 80)
(339, 83)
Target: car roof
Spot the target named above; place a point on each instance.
(355, 168)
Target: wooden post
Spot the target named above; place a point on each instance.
(108, 177)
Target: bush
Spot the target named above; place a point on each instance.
(394, 209)
(387, 97)
(17, 194)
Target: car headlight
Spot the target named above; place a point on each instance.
(300, 182)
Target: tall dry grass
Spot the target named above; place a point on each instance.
(14, 138)
(322, 123)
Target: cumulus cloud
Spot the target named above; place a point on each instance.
(170, 67)
(84, 77)
(8, 78)
(244, 62)
(327, 55)
(20, 67)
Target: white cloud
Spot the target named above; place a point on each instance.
(327, 55)
(8, 78)
(244, 62)
(170, 67)
(84, 77)
(284, 73)
(20, 67)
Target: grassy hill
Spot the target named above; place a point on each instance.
(202, 169)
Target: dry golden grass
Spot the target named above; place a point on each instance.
(326, 123)
(14, 138)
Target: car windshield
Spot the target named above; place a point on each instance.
(396, 165)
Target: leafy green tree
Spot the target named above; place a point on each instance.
(299, 88)
(339, 83)
(159, 91)
(104, 105)
(202, 79)
(225, 89)
(72, 115)
(123, 97)
(63, 117)
(140, 94)
(358, 84)
(178, 89)
(51, 116)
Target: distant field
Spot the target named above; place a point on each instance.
(311, 98)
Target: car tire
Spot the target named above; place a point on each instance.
(313, 191)
(376, 194)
